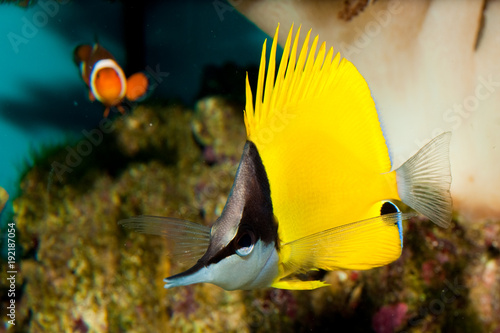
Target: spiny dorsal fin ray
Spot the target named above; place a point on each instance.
(313, 79)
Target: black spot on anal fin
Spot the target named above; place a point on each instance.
(388, 208)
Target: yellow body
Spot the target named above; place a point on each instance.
(318, 134)
(313, 186)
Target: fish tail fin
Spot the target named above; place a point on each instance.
(424, 181)
(81, 53)
(138, 87)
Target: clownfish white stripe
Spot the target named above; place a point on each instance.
(107, 63)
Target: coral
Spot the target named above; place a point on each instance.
(214, 124)
(4, 196)
(89, 274)
(389, 318)
(81, 272)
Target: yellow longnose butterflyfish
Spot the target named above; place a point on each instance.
(315, 187)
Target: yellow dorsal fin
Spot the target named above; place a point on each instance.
(291, 85)
(317, 131)
(309, 78)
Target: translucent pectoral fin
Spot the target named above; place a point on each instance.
(187, 241)
(359, 245)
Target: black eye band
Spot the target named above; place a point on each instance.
(257, 220)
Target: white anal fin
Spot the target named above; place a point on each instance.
(424, 181)
(187, 241)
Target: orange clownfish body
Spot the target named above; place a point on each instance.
(105, 78)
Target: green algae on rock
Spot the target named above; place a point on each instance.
(214, 125)
(86, 273)
(82, 272)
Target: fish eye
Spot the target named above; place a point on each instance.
(245, 243)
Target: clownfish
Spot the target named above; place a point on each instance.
(315, 187)
(106, 80)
